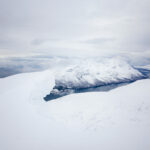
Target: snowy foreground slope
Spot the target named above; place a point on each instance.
(114, 120)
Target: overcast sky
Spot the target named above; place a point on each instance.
(74, 27)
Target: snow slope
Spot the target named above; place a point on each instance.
(114, 120)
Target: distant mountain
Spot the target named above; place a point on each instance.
(91, 74)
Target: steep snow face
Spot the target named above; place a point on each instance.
(91, 74)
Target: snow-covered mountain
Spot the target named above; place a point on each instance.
(90, 74)
(113, 120)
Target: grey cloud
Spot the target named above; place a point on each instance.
(58, 27)
(99, 40)
(39, 41)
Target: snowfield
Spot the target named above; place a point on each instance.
(114, 120)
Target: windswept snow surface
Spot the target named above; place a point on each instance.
(114, 120)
